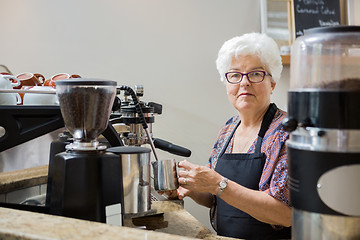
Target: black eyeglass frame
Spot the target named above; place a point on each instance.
(246, 74)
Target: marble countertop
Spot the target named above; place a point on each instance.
(171, 220)
(15, 180)
(15, 224)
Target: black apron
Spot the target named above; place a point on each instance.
(246, 170)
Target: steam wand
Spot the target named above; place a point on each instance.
(151, 142)
(141, 115)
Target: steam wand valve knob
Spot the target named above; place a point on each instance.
(139, 90)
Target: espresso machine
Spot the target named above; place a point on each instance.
(324, 125)
(86, 180)
(123, 143)
(133, 119)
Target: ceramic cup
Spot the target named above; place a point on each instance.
(30, 79)
(8, 82)
(60, 76)
(13, 78)
(40, 98)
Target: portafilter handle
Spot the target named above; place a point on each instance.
(171, 148)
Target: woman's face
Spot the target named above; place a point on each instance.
(247, 96)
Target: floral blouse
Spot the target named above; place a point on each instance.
(273, 180)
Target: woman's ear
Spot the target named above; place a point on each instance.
(273, 84)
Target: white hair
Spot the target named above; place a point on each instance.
(258, 44)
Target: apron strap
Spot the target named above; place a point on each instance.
(268, 117)
(267, 120)
(229, 139)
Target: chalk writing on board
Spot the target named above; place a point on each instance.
(315, 13)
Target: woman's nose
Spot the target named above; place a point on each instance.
(245, 81)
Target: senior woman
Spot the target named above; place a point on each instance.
(245, 179)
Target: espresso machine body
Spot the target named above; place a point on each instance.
(324, 125)
(135, 154)
(135, 179)
(130, 124)
(127, 120)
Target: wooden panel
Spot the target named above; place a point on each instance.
(285, 59)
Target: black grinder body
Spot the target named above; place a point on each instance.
(85, 183)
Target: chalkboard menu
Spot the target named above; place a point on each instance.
(315, 13)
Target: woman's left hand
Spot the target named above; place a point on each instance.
(179, 193)
(198, 178)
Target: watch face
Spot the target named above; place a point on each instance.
(222, 184)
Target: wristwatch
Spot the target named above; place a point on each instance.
(222, 185)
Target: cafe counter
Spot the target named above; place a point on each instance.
(169, 221)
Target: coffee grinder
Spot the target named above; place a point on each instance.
(324, 144)
(87, 180)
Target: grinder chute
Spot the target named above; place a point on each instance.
(324, 144)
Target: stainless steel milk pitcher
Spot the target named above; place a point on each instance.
(165, 175)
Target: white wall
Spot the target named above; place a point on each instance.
(168, 46)
(353, 7)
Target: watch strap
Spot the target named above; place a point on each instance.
(222, 186)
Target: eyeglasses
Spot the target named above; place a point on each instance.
(253, 76)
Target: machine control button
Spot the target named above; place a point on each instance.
(289, 124)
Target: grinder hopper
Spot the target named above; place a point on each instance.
(86, 107)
